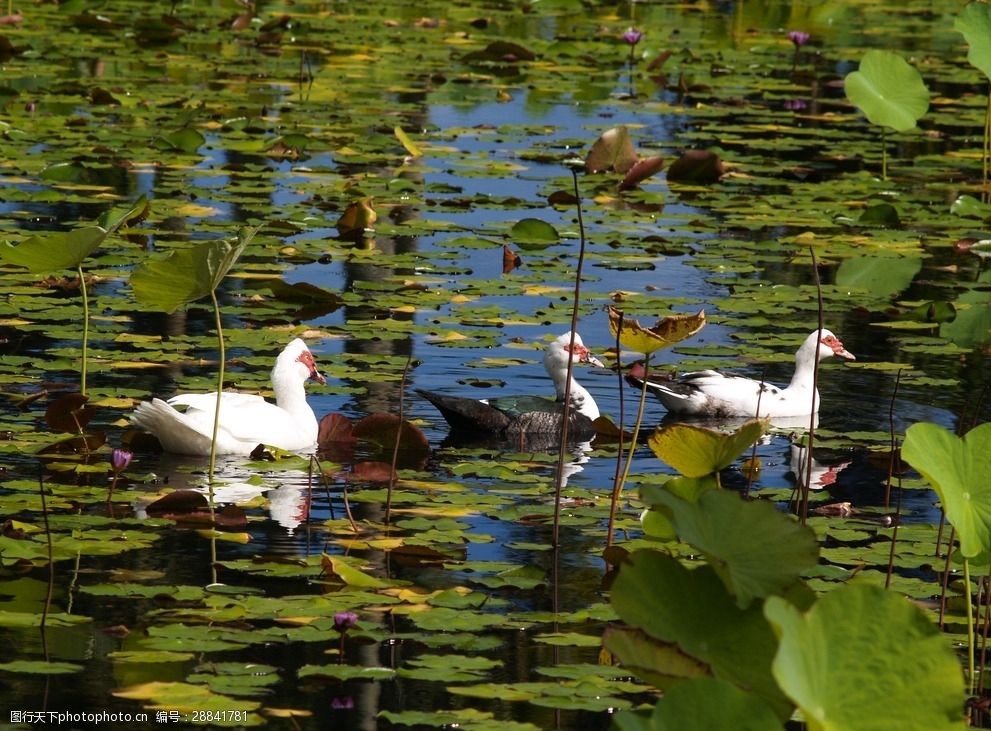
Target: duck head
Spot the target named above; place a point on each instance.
(296, 358)
(830, 345)
(559, 351)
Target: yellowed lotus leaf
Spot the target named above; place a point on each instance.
(542, 289)
(196, 211)
(287, 712)
(433, 485)
(411, 147)
(448, 336)
(296, 621)
(114, 402)
(449, 512)
(183, 697)
(137, 365)
(666, 331)
(404, 609)
(225, 536)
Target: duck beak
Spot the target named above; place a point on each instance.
(585, 356)
(307, 359)
(838, 350)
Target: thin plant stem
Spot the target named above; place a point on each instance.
(946, 578)
(985, 628)
(894, 536)
(636, 427)
(986, 152)
(566, 410)
(399, 435)
(50, 591)
(806, 486)
(970, 627)
(753, 448)
(222, 351)
(891, 436)
(85, 294)
(884, 154)
(619, 453)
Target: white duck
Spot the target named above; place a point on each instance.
(719, 395)
(184, 424)
(510, 416)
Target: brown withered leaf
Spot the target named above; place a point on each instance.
(510, 260)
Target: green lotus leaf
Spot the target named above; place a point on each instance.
(754, 548)
(959, 470)
(692, 612)
(888, 90)
(846, 673)
(974, 22)
(705, 704)
(882, 276)
(55, 251)
(186, 275)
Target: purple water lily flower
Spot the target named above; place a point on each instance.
(342, 703)
(343, 621)
(632, 36)
(120, 459)
(798, 37)
(795, 105)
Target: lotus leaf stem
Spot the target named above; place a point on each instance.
(970, 627)
(85, 294)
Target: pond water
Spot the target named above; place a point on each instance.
(465, 613)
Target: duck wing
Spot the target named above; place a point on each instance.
(184, 424)
(468, 414)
